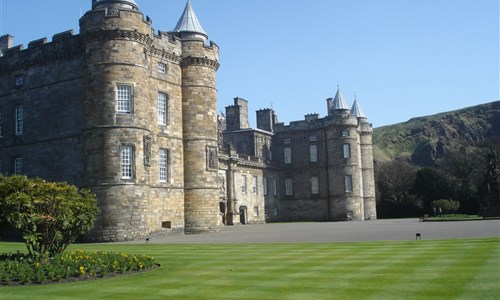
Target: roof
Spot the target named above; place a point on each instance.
(339, 102)
(357, 111)
(127, 2)
(189, 22)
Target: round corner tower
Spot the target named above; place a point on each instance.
(117, 117)
(346, 179)
(199, 114)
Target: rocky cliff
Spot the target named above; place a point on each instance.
(424, 140)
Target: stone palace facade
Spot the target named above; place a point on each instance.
(131, 114)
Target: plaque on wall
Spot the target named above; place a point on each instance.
(147, 151)
(212, 161)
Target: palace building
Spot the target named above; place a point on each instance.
(131, 113)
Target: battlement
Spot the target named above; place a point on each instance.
(64, 45)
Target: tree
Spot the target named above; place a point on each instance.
(394, 180)
(431, 185)
(49, 216)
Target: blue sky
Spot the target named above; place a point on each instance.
(402, 58)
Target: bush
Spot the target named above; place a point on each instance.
(49, 216)
(447, 206)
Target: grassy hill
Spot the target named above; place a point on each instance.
(424, 140)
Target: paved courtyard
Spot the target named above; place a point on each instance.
(329, 232)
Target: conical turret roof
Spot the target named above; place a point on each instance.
(188, 23)
(339, 102)
(356, 110)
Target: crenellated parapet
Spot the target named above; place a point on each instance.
(119, 34)
(40, 52)
(200, 61)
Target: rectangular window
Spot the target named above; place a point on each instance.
(243, 184)
(345, 133)
(1, 123)
(348, 183)
(162, 109)
(19, 80)
(255, 211)
(124, 99)
(313, 153)
(18, 166)
(264, 185)
(127, 158)
(254, 185)
(315, 185)
(347, 150)
(288, 155)
(161, 67)
(275, 186)
(164, 165)
(313, 138)
(289, 186)
(19, 120)
(287, 141)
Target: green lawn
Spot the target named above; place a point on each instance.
(446, 269)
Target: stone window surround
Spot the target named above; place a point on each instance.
(287, 155)
(127, 161)
(162, 108)
(164, 164)
(289, 186)
(346, 150)
(18, 165)
(348, 183)
(124, 94)
(19, 125)
(313, 153)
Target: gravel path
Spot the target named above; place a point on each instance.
(379, 230)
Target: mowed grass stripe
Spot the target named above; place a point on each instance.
(379, 270)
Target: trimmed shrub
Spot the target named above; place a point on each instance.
(49, 216)
(447, 206)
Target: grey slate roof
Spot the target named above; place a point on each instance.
(357, 111)
(339, 102)
(189, 22)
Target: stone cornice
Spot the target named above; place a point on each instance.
(160, 53)
(119, 34)
(200, 61)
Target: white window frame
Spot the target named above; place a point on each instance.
(346, 150)
(287, 153)
(289, 186)
(313, 153)
(254, 185)
(124, 95)
(162, 108)
(264, 185)
(19, 120)
(127, 162)
(164, 165)
(348, 183)
(315, 185)
(244, 184)
(161, 68)
(18, 166)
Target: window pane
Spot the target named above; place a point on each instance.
(19, 120)
(164, 165)
(127, 160)
(124, 98)
(288, 155)
(275, 186)
(313, 153)
(18, 165)
(243, 184)
(162, 109)
(348, 183)
(347, 150)
(254, 186)
(289, 186)
(161, 68)
(314, 185)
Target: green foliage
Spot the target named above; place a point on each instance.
(49, 216)
(447, 206)
(22, 269)
(431, 185)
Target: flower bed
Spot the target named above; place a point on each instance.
(18, 268)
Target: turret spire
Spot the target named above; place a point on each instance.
(188, 24)
(339, 102)
(356, 109)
